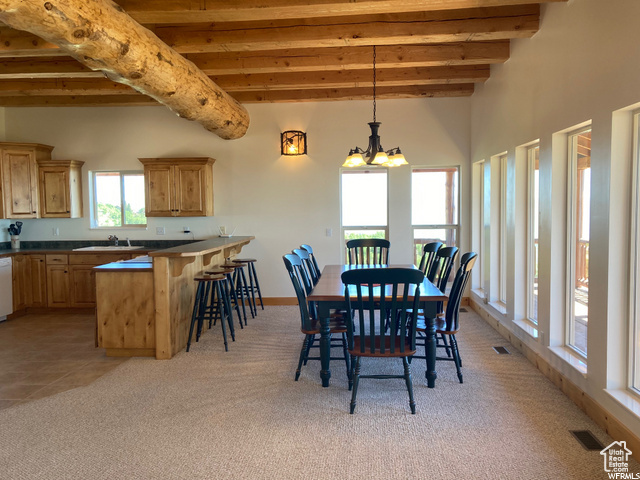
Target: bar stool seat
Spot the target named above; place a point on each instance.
(254, 285)
(204, 306)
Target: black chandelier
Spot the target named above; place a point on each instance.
(374, 154)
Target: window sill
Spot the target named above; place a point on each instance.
(571, 358)
(528, 327)
(499, 307)
(627, 399)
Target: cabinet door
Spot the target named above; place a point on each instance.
(54, 192)
(82, 281)
(190, 191)
(159, 191)
(20, 282)
(58, 285)
(38, 281)
(19, 183)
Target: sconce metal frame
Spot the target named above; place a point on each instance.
(293, 142)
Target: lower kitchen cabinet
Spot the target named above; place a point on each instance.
(20, 277)
(38, 281)
(82, 282)
(58, 285)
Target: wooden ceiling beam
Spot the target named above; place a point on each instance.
(400, 29)
(259, 82)
(100, 35)
(299, 60)
(272, 96)
(188, 11)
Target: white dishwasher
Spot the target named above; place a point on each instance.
(6, 290)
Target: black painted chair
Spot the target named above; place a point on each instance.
(314, 261)
(429, 255)
(310, 326)
(448, 324)
(440, 270)
(366, 330)
(307, 264)
(368, 251)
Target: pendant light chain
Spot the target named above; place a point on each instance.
(374, 83)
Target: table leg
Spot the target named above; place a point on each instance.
(430, 347)
(325, 343)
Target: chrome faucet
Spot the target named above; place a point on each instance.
(128, 242)
(114, 238)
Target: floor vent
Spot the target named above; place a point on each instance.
(502, 350)
(587, 440)
(464, 310)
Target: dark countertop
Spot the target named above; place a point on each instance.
(202, 248)
(67, 246)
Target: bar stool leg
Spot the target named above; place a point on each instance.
(234, 298)
(255, 277)
(246, 289)
(194, 315)
(237, 284)
(221, 310)
(227, 308)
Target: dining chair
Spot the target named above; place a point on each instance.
(440, 270)
(309, 325)
(429, 251)
(307, 264)
(368, 251)
(448, 324)
(367, 334)
(314, 261)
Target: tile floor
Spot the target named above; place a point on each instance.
(41, 355)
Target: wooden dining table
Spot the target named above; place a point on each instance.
(328, 294)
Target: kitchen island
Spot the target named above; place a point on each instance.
(144, 306)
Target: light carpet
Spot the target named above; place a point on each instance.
(208, 414)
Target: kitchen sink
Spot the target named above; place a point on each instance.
(107, 248)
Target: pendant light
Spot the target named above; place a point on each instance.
(374, 154)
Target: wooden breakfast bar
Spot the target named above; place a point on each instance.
(144, 305)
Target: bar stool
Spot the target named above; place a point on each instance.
(231, 292)
(254, 285)
(238, 284)
(203, 306)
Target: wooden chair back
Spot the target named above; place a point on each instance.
(463, 274)
(368, 251)
(314, 261)
(429, 255)
(391, 288)
(441, 267)
(296, 274)
(307, 263)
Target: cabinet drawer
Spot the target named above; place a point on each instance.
(99, 259)
(55, 259)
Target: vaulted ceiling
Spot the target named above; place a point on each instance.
(289, 50)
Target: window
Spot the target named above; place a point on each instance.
(434, 207)
(578, 214)
(635, 259)
(502, 258)
(533, 170)
(364, 204)
(118, 199)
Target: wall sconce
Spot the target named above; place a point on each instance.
(293, 142)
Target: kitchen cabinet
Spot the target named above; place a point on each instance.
(57, 280)
(60, 186)
(20, 178)
(82, 278)
(38, 281)
(20, 277)
(178, 187)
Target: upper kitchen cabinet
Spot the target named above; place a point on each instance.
(20, 177)
(60, 188)
(178, 187)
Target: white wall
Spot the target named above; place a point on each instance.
(283, 201)
(581, 66)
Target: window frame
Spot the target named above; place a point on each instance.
(502, 283)
(531, 214)
(572, 234)
(633, 380)
(446, 226)
(343, 228)
(94, 200)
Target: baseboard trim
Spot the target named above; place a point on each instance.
(594, 410)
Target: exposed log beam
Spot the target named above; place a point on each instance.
(308, 59)
(187, 11)
(100, 35)
(392, 29)
(259, 82)
(327, 94)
